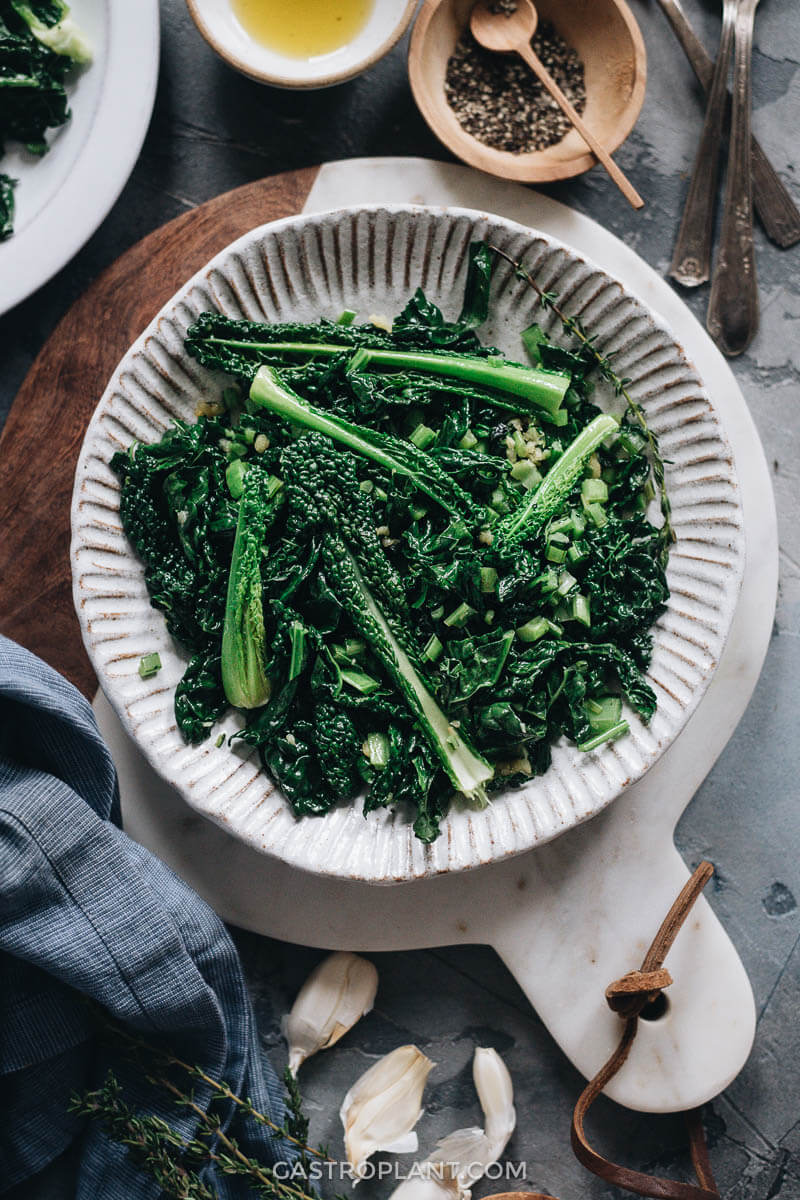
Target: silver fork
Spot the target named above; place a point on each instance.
(771, 201)
(732, 318)
(691, 259)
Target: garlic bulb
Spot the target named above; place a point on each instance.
(383, 1106)
(339, 991)
(461, 1158)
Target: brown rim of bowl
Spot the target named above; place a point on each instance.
(502, 163)
(307, 84)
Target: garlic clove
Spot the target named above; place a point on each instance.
(424, 1184)
(496, 1094)
(464, 1156)
(383, 1106)
(337, 993)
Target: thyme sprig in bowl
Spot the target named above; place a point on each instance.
(422, 598)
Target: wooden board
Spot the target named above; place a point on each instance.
(42, 438)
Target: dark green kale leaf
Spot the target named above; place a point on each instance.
(177, 512)
(39, 44)
(7, 185)
(472, 664)
(200, 698)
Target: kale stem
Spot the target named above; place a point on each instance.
(559, 480)
(545, 389)
(573, 326)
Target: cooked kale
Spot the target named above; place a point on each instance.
(7, 185)
(39, 44)
(411, 584)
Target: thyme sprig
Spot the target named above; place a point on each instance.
(176, 1162)
(294, 1131)
(589, 349)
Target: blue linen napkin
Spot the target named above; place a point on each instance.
(86, 912)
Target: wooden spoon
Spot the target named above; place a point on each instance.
(506, 32)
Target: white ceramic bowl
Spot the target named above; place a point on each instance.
(371, 259)
(385, 26)
(62, 198)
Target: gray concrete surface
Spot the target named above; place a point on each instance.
(213, 130)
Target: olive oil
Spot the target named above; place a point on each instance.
(302, 28)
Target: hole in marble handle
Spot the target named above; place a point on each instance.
(656, 1010)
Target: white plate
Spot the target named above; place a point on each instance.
(62, 198)
(371, 259)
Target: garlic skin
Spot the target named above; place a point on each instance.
(338, 992)
(383, 1106)
(461, 1158)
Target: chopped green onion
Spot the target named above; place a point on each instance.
(532, 337)
(359, 681)
(350, 650)
(346, 317)
(580, 609)
(561, 525)
(555, 554)
(534, 629)
(597, 514)
(499, 502)
(577, 552)
(423, 436)
(468, 441)
(520, 445)
(604, 714)
(526, 473)
(433, 650)
(631, 442)
(438, 613)
(459, 616)
(366, 485)
(149, 665)
(566, 583)
(376, 749)
(234, 477)
(549, 581)
(557, 418)
(594, 490)
(488, 579)
(609, 735)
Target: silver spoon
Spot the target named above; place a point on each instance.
(732, 318)
(691, 259)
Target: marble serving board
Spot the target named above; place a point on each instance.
(571, 916)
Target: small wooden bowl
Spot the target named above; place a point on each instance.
(607, 39)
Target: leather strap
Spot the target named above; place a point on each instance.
(627, 997)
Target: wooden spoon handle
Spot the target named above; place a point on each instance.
(620, 179)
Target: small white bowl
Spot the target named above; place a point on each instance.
(385, 26)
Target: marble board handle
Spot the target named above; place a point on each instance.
(574, 931)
